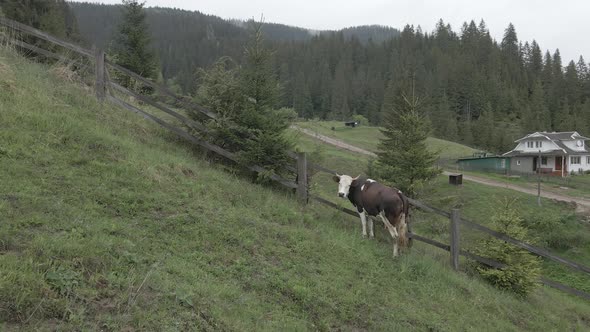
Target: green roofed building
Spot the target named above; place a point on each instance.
(485, 162)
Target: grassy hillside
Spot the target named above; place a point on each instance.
(368, 138)
(554, 225)
(109, 223)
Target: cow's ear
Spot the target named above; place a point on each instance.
(336, 178)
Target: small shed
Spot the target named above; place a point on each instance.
(496, 164)
(456, 179)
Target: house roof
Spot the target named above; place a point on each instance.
(480, 158)
(563, 150)
(568, 150)
(556, 136)
(565, 135)
(515, 153)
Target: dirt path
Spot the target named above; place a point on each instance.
(334, 141)
(582, 205)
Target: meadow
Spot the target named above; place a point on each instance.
(367, 137)
(110, 223)
(554, 225)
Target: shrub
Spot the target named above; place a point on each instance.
(360, 119)
(522, 270)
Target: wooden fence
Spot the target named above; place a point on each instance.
(107, 90)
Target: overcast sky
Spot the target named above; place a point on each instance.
(561, 24)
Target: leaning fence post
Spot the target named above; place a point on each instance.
(302, 177)
(454, 232)
(100, 70)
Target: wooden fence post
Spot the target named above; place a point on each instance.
(454, 244)
(302, 177)
(100, 71)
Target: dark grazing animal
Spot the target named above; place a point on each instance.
(377, 200)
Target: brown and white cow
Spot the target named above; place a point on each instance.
(374, 199)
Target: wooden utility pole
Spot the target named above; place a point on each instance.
(539, 179)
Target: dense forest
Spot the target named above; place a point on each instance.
(55, 17)
(476, 90)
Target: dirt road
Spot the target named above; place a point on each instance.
(582, 205)
(334, 141)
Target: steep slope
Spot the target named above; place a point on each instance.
(109, 223)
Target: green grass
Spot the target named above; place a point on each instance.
(368, 138)
(109, 223)
(554, 225)
(573, 185)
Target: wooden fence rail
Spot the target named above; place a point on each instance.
(163, 90)
(45, 36)
(533, 249)
(193, 139)
(103, 83)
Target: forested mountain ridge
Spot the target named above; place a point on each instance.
(190, 39)
(476, 90)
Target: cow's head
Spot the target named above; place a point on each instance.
(344, 184)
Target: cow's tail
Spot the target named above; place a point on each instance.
(403, 231)
(405, 241)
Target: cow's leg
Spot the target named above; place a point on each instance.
(402, 230)
(392, 232)
(371, 233)
(364, 222)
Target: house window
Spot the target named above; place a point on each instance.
(517, 162)
(588, 160)
(544, 161)
(529, 144)
(538, 144)
(575, 160)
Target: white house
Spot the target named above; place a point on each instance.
(560, 153)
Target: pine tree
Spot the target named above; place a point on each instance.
(572, 82)
(466, 132)
(584, 114)
(266, 145)
(246, 99)
(132, 44)
(340, 90)
(325, 88)
(567, 120)
(522, 270)
(403, 158)
(511, 52)
(483, 130)
(445, 120)
(584, 75)
(220, 91)
(53, 17)
(582, 69)
(534, 63)
(302, 98)
(538, 117)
